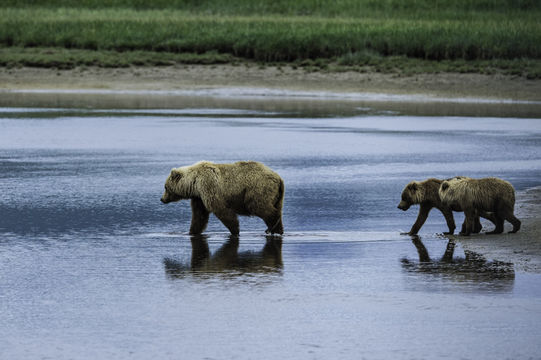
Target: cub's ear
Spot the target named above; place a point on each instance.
(413, 186)
(445, 185)
(175, 175)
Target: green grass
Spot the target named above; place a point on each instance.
(340, 8)
(366, 61)
(70, 58)
(334, 34)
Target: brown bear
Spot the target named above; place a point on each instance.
(227, 190)
(426, 194)
(476, 196)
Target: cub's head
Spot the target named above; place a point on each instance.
(443, 191)
(448, 190)
(172, 186)
(411, 195)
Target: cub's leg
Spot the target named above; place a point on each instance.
(448, 214)
(498, 223)
(509, 216)
(469, 221)
(477, 225)
(421, 218)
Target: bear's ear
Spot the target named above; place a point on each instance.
(445, 185)
(175, 175)
(413, 186)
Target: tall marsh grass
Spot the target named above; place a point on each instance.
(272, 37)
(325, 8)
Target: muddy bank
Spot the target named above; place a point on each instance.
(271, 89)
(270, 77)
(523, 249)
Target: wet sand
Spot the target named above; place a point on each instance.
(270, 77)
(523, 248)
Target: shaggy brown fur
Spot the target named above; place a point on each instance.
(475, 196)
(426, 194)
(227, 190)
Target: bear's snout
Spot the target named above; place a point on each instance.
(403, 206)
(165, 199)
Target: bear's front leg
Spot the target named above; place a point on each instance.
(470, 215)
(421, 218)
(229, 218)
(200, 217)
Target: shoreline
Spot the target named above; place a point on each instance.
(522, 249)
(197, 78)
(271, 88)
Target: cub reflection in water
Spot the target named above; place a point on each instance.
(473, 268)
(227, 259)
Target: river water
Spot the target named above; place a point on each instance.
(92, 265)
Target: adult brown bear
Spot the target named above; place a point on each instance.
(227, 190)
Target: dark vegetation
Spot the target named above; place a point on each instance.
(483, 36)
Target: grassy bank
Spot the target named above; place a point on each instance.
(477, 35)
(364, 62)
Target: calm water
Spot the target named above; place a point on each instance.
(92, 265)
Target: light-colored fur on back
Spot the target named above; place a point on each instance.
(475, 196)
(241, 188)
(482, 194)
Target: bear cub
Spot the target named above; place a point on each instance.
(476, 196)
(425, 193)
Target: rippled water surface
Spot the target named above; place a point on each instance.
(92, 265)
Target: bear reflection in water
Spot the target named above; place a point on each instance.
(473, 269)
(227, 259)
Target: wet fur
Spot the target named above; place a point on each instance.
(243, 188)
(476, 196)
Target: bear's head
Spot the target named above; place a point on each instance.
(173, 186)
(411, 194)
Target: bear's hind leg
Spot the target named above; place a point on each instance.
(271, 215)
(448, 214)
(509, 216)
(273, 220)
(499, 225)
(229, 218)
(477, 225)
(274, 225)
(489, 216)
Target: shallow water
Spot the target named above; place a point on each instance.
(92, 265)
